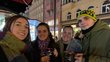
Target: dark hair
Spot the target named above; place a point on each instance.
(68, 27)
(52, 41)
(47, 26)
(12, 19)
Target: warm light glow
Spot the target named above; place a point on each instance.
(109, 25)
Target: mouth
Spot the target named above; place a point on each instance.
(22, 34)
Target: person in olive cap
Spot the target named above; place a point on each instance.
(96, 40)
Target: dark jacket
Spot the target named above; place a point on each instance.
(3, 57)
(96, 43)
(37, 51)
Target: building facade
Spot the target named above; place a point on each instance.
(70, 8)
(52, 15)
(35, 11)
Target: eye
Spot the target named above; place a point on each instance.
(39, 31)
(79, 21)
(86, 18)
(44, 31)
(17, 24)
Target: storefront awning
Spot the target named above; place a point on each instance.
(16, 6)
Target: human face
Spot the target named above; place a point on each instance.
(85, 22)
(42, 32)
(20, 28)
(67, 34)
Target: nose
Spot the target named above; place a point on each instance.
(23, 28)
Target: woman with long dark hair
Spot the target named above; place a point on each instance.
(45, 46)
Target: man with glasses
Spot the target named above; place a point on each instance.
(96, 40)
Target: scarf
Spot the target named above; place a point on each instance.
(12, 46)
(43, 45)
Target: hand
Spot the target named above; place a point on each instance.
(78, 57)
(55, 52)
(45, 59)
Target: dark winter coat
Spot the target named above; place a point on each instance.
(96, 43)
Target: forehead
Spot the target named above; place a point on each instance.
(42, 27)
(68, 29)
(21, 20)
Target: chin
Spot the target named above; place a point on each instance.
(42, 39)
(21, 39)
(84, 28)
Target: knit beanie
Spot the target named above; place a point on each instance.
(89, 13)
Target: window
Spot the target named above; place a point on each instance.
(106, 8)
(69, 16)
(67, 1)
(50, 12)
(103, 9)
(64, 2)
(77, 12)
(91, 7)
(70, 1)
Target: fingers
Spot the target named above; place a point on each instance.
(45, 59)
(55, 52)
(78, 57)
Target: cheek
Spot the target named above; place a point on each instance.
(27, 31)
(14, 30)
(80, 24)
(46, 35)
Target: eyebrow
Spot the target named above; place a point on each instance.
(20, 22)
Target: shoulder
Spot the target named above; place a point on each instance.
(3, 57)
(75, 41)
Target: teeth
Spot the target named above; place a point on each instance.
(22, 34)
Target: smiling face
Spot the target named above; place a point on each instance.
(67, 34)
(85, 22)
(42, 32)
(20, 28)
